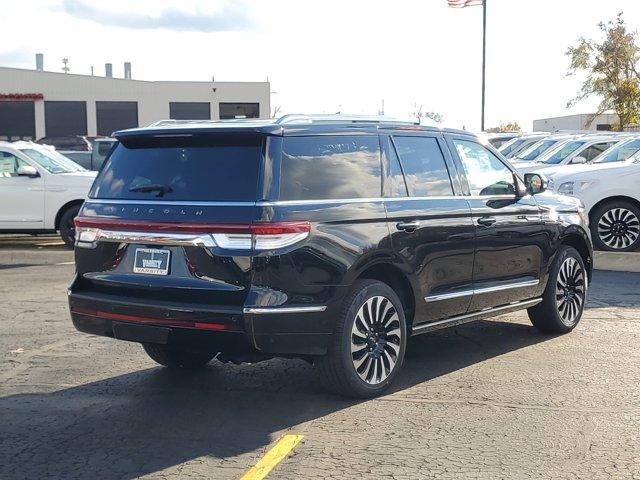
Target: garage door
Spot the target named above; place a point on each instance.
(190, 110)
(17, 120)
(65, 118)
(113, 116)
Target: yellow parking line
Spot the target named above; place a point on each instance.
(274, 456)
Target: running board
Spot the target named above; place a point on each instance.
(470, 317)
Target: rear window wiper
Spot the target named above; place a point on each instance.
(152, 187)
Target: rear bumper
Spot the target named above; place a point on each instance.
(287, 331)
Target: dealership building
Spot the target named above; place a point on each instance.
(584, 121)
(38, 103)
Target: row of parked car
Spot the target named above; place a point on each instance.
(47, 181)
(601, 169)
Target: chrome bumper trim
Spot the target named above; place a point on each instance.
(176, 239)
(269, 310)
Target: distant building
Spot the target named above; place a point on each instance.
(604, 122)
(36, 103)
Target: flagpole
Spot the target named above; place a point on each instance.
(484, 56)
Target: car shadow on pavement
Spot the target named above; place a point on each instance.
(146, 421)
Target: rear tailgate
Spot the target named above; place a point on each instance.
(167, 221)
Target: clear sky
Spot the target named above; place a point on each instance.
(329, 55)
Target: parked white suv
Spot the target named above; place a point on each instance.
(610, 191)
(40, 190)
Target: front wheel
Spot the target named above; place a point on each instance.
(564, 296)
(368, 344)
(177, 358)
(615, 227)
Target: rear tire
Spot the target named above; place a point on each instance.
(615, 226)
(368, 345)
(67, 227)
(177, 358)
(564, 296)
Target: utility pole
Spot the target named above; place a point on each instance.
(65, 65)
(484, 57)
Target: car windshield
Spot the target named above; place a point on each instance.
(563, 152)
(536, 150)
(511, 146)
(619, 153)
(52, 161)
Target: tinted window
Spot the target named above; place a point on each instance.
(330, 167)
(594, 150)
(65, 118)
(198, 168)
(398, 186)
(486, 174)
(423, 165)
(113, 116)
(239, 110)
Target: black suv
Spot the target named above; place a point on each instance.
(333, 239)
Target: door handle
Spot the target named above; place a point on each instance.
(486, 221)
(408, 227)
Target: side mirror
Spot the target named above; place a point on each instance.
(521, 189)
(535, 182)
(578, 161)
(27, 171)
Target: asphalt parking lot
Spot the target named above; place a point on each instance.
(493, 399)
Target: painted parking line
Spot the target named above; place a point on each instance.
(49, 244)
(274, 456)
(66, 263)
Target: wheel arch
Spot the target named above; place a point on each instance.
(64, 208)
(394, 277)
(579, 240)
(613, 198)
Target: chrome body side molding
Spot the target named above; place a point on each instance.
(470, 317)
(479, 291)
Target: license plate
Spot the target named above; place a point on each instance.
(151, 261)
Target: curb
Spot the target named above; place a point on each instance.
(617, 262)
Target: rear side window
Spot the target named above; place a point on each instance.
(424, 167)
(330, 167)
(193, 168)
(594, 150)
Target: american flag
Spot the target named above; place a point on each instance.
(464, 3)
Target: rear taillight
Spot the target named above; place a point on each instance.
(256, 236)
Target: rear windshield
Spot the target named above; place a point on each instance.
(190, 168)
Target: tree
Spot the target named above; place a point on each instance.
(419, 114)
(505, 127)
(612, 71)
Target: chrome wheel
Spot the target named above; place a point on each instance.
(375, 340)
(618, 228)
(571, 286)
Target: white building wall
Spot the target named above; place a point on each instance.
(153, 97)
(574, 122)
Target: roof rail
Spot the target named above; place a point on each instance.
(167, 121)
(338, 118)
